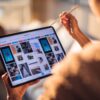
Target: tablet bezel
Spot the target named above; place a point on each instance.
(23, 32)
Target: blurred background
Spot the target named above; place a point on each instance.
(18, 15)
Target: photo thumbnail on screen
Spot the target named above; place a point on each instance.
(45, 45)
(7, 54)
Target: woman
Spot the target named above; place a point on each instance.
(76, 77)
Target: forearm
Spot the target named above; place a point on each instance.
(14, 97)
(81, 38)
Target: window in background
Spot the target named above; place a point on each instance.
(15, 11)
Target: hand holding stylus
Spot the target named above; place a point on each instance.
(70, 11)
(71, 24)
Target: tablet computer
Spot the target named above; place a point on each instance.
(30, 55)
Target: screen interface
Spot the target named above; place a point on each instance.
(30, 55)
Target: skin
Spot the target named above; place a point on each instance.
(95, 7)
(76, 77)
(60, 78)
(84, 66)
(71, 25)
(15, 93)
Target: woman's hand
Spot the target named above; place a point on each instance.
(71, 24)
(15, 93)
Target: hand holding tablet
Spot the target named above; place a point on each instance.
(30, 55)
(17, 92)
(19, 51)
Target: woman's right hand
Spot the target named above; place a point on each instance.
(70, 23)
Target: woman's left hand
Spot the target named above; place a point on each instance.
(15, 93)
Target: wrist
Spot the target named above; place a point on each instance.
(82, 38)
(77, 30)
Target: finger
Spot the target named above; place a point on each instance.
(72, 18)
(25, 86)
(5, 79)
(64, 19)
(4, 75)
(69, 21)
(6, 82)
(62, 14)
(67, 15)
(66, 23)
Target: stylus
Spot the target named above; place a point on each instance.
(70, 11)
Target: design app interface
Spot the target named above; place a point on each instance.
(30, 55)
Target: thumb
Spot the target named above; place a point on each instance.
(5, 78)
(6, 82)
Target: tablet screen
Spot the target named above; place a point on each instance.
(30, 55)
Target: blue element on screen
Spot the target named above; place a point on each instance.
(45, 45)
(7, 54)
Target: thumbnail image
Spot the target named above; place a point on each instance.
(13, 69)
(17, 77)
(56, 48)
(24, 70)
(51, 58)
(7, 54)
(30, 57)
(36, 47)
(19, 57)
(40, 59)
(54, 40)
(60, 56)
(46, 67)
(50, 40)
(36, 71)
(15, 48)
(18, 49)
(45, 45)
(26, 47)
